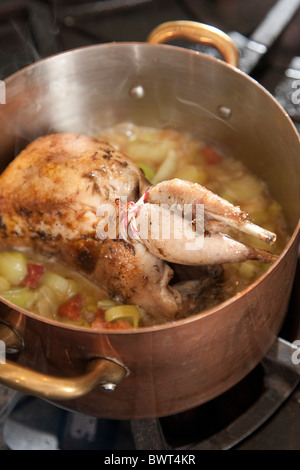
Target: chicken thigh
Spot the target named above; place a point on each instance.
(50, 197)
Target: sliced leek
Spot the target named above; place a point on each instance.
(129, 313)
(22, 297)
(148, 171)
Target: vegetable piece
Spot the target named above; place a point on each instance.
(148, 171)
(192, 173)
(71, 308)
(167, 168)
(228, 197)
(248, 270)
(22, 297)
(147, 152)
(100, 323)
(13, 266)
(4, 284)
(34, 274)
(106, 304)
(275, 209)
(201, 176)
(119, 325)
(64, 287)
(45, 302)
(245, 189)
(99, 320)
(128, 313)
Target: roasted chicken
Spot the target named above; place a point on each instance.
(49, 201)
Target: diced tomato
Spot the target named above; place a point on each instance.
(34, 275)
(119, 325)
(71, 308)
(99, 322)
(212, 157)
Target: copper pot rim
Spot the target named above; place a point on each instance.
(222, 305)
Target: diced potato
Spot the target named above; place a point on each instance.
(247, 270)
(274, 209)
(256, 205)
(192, 173)
(4, 284)
(218, 173)
(64, 287)
(73, 288)
(245, 189)
(13, 266)
(146, 152)
(91, 308)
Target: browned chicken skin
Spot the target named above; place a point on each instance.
(48, 200)
(49, 197)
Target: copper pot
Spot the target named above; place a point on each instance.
(164, 369)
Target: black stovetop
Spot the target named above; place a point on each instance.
(31, 30)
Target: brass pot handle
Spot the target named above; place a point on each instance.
(102, 372)
(198, 33)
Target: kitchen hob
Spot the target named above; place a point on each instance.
(262, 412)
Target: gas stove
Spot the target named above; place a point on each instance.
(262, 412)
